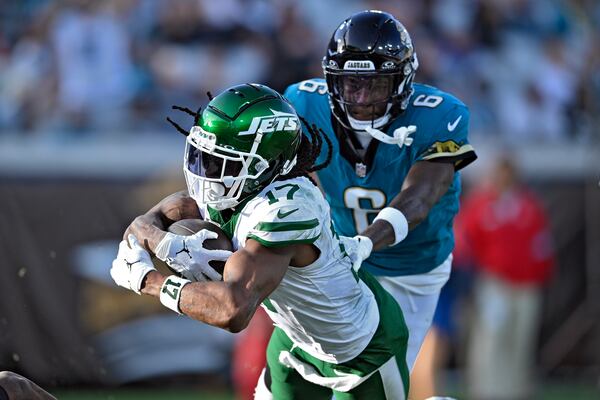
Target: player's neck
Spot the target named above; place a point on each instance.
(359, 142)
(358, 156)
(364, 140)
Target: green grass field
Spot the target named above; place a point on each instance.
(548, 391)
(139, 394)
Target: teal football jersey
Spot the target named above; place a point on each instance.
(356, 192)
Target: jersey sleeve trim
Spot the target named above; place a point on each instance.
(448, 148)
(450, 151)
(286, 226)
(459, 161)
(282, 243)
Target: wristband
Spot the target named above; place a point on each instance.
(170, 292)
(398, 221)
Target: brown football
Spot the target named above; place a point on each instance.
(188, 227)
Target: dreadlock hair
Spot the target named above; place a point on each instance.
(186, 110)
(308, 152)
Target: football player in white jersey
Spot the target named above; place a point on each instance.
(337, 332)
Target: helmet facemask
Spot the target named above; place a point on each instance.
(362, 99)
(366, 98)
(216, 175)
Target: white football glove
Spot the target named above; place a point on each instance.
(358, 249)
(132, 264)
(186, 255)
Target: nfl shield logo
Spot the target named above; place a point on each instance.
(360, 169)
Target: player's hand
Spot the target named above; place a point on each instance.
(186, 255)
(358, 249)
(132, 264)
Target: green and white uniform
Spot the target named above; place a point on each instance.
(336, 331)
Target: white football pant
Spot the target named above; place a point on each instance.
(417, 296)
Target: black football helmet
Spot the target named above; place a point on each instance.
(369, 69)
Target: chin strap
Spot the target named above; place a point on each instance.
(400, 137)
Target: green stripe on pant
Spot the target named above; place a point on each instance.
(378, 372)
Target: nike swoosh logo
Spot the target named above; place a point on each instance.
(282, 215)
(452, 126)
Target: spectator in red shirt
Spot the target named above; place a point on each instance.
(509, 241)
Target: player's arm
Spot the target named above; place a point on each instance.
(425, 184)
(16, 387)
(250, 275)
(150, 227)
(427, 180)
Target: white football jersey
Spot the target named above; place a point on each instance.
(323, 308)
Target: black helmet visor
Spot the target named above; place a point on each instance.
(211, 166)
(365, 95)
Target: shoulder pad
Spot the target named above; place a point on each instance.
(287, 214)
(428, 97)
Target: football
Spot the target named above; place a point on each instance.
(187, 227)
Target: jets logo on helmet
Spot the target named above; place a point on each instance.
(279, 121)
(245, 138)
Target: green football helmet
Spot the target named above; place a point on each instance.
(245, 138)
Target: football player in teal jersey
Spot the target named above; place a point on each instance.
(393, 181)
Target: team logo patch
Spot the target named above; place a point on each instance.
(360, 169)
(360, 65)
(279, 121)
(449, 146)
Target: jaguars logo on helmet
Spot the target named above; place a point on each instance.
(244, 139)
(377, 57)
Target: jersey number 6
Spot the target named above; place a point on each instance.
(430, 101)
(354, 196)
(312, 86)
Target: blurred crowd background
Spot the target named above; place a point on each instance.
(85, 87)
(528, 69)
